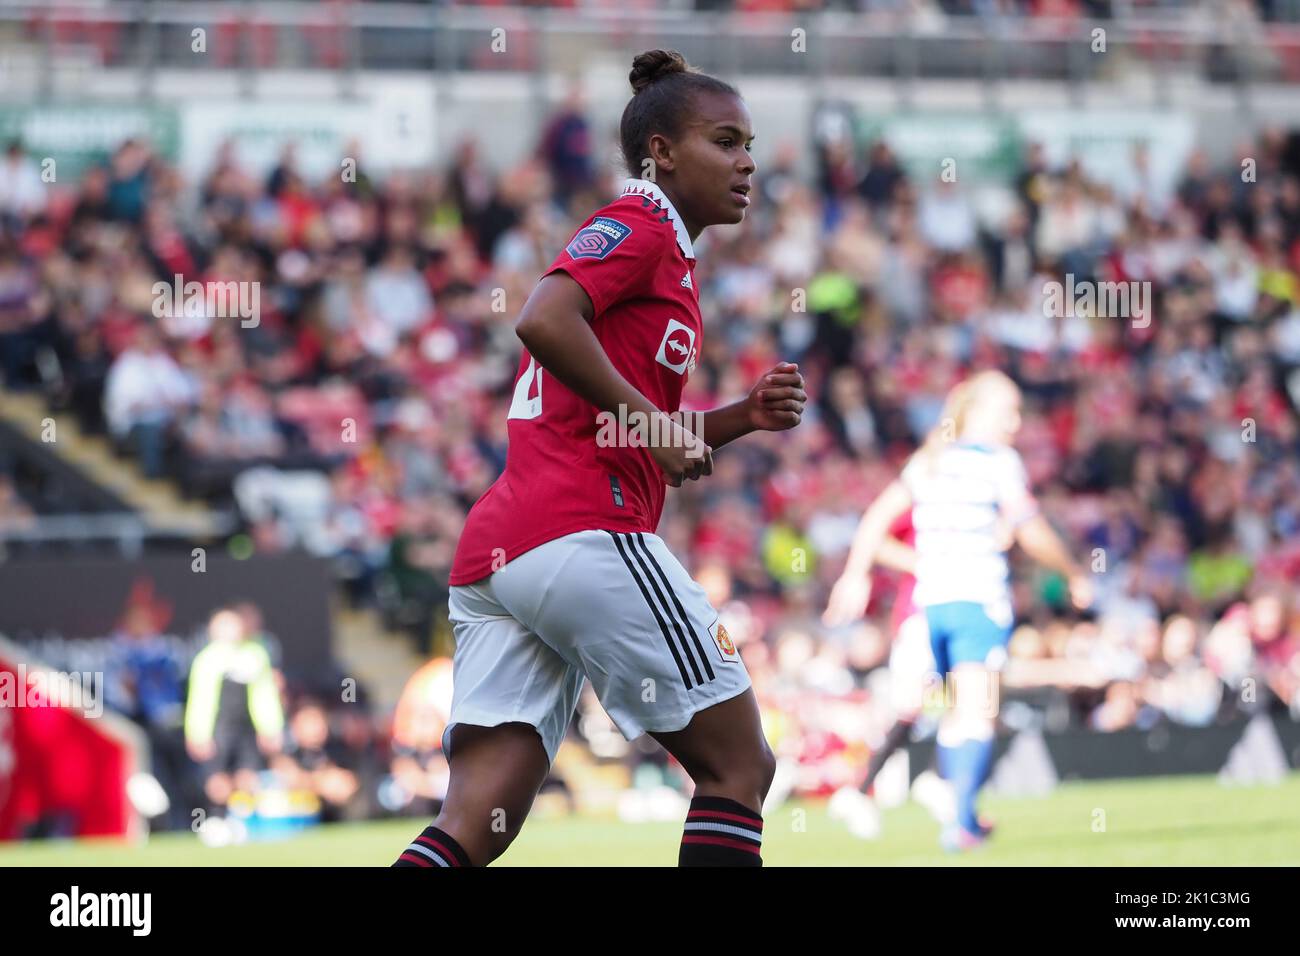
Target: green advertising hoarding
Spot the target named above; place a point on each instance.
(77, 137)
(984, 146)
(988, 147)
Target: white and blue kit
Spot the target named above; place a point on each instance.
(967, 499)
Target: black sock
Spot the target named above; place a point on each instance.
(721, 832)
(894, 739)
(433, 848)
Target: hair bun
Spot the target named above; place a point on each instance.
(653, 65)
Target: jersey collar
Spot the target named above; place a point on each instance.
(643, 187)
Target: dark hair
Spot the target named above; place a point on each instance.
(663, 85)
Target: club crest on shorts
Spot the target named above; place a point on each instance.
(725, 644)
(677, 350)
(597, 239)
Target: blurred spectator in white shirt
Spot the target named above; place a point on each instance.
(143, 395)
(946, 219)
(22, 193)
(396, 293)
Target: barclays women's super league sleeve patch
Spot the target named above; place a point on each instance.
(597, 239)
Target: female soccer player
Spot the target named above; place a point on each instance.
(559, 575)
(968, 492)
(911, 668)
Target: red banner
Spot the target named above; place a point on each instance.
(62, 773)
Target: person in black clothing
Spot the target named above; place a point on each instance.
(883, 175)
(1032, 183)
(314, 759)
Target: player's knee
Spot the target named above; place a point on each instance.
(757, 774)
(965, 724)
(976, 710)
(980, 727)
(744, 774)
(767, 769)
(975, 694)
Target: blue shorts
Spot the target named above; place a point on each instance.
(963, 632)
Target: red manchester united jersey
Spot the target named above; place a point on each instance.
(635, 261)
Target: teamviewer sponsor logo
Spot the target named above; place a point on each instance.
(677, 347)
(74, 908)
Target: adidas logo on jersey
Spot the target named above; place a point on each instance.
(686, 281)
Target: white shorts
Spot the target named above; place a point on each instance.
(911, 665)
(615, 608)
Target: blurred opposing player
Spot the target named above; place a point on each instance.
(968, 491)
(559, 575)
(911, 671)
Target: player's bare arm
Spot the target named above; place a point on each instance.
(1043, 544)
(853, 589)
(896, 555)
(555, 327)
(774, 404)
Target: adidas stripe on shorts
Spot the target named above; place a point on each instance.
(615, 608)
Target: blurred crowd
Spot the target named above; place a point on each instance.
(108, 35)
(1222, 40)
(364, 411)
(240, 748)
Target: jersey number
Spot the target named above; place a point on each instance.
(522, 406)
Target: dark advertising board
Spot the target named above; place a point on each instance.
(51, 607)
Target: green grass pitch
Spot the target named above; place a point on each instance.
(1159, 822)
